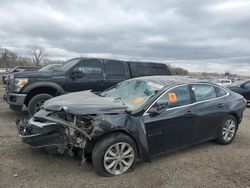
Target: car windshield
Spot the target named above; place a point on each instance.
(68, 65)
(132, 93)
(50, 67)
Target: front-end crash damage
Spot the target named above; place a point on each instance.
(57, 131)
(64, 132)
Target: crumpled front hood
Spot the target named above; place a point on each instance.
(84, 102)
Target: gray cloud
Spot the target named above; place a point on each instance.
(205, 33)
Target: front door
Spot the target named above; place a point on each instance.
(91, 79)
(174, 127)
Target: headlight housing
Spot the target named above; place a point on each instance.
(20, 83)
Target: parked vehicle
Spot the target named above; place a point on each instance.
(243, 88)
(136, 119)
(6, 76)
(4, 70)
(51, 67)
(224, 82)
(33, 88)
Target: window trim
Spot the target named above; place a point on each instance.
(194, 103)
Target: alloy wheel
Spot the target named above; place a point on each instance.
(229, 130)
(119, 158)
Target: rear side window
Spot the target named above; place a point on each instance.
(203, 92)
(220, 92)
(177, 96)
(115, 68)
(150, 70)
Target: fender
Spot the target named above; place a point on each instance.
(130, 125)
(28, 88)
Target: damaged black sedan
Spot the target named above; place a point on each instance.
(136, 119)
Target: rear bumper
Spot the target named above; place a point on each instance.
(14, 98)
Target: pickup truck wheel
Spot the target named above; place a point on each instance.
(114, 154)
(36, 103)
(16, 108)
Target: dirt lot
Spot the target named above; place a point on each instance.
(206, 165)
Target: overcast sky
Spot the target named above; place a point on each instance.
(199, 35)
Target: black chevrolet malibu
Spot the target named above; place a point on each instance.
(136, 119)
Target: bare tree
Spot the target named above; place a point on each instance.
(12, 58)
(177, 70)
(37, 54)
(7, 57)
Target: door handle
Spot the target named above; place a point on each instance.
(189, 113)
(221, 105)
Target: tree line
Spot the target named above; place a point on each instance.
(177, 70)
(36, 56)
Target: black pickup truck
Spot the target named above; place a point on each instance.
(33, 88)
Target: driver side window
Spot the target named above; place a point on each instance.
(177, 96)
(89, 67)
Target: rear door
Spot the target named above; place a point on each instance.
(209, 110)
(92, 76)
(115, 72)
(173, 128)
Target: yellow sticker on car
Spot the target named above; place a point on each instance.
(138, 100)
(172, 97)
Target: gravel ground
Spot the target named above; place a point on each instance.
(205, 165)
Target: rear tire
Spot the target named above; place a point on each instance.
(16, 108)
(125, 158)
(36, 102)
(227, 130)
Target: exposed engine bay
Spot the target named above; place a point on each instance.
(60, 131)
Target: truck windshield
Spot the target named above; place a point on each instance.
(68, 65)
(132, 93)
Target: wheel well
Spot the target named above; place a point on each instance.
(236, 117)
(40, 90)
(92, 145)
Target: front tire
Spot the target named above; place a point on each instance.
(114, 154)
(36, 103)
(227, 130)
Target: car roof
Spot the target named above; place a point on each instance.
(129, 61)
(171, 80)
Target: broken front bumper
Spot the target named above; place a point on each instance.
(39, 134)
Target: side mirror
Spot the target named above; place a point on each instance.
(158, 108)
